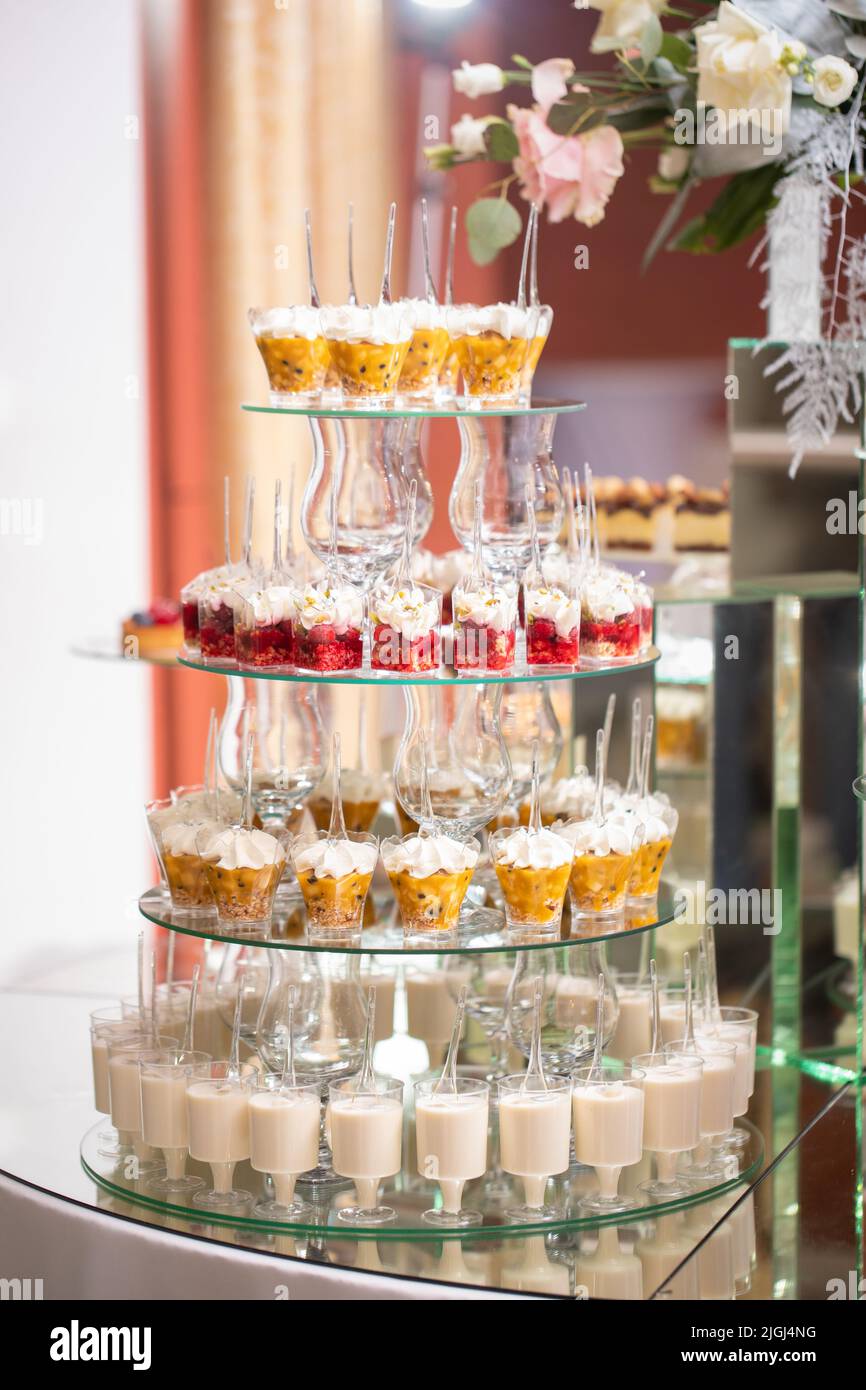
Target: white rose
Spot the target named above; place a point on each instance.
(467, 137)
(673, 163)
(621, 23)
(739, 68)
(478, 79)
(835, 80)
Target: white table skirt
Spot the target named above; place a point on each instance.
(81, 1253)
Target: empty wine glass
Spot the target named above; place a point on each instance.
(468, 770)
(526, 716)
(288, 748)
(506, 454)
(487, 979)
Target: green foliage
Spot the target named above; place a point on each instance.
(501, 141)
(491, 224)
(738, 211)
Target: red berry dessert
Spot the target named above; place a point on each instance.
(327, 627)
(485, 620)
(263, 627)
(406, 627)
(611, 617)
(216, 624)
(552, 626)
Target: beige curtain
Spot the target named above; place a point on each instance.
(298, 114)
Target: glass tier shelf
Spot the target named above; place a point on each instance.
(410, 1196)
(108, 649)
(443, 410)
(858, 786)
(445, 676)
(481, 929)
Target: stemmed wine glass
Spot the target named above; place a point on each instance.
(288, 748)
(469, 772)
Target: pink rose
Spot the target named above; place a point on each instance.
(573, 175)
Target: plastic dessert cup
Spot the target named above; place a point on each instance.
(610, 625)
(492, 344)
(534, 1138)
(264, 628)
(367, 345)
(553, 627)
(485, 624)
(366, 1132)
(125, 1052)
(284, 1139)
(425, 355)
(216, 624)
(449, 375)
(219, 1133)
(533, 869)
(429, 875)
(334, 876)
(175, 832)
(603, 860)
(293, 350)
(537, 343)
(650, 856)
(243, 869)
(608, 1111)
(189, 599)
(451, 1144)
(327, 628)
(164, 1079)
(405, 629)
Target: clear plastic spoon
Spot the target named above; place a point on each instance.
(656, 1045)
(534, 547)
(535, 791)
(140, 962)
(449, 265)
(535, 1067)
(366, 1077)
(598, 805)
(646, 757)
(595, 1068)
(247, 814)
(169, 963)
(534, 301)
(632, 786)
(337, 826)
(521, 286)
(308, 232)
(427, 824)
(689, 1028)
(610, 711)
(288, 1077)
(429, 286)
(592, 516)
(189, 1031)
(385, 291)
(448, 1079)
(234, 1069)
(353, 297)
(714, 1011)
(248, 522)
(154, 1003)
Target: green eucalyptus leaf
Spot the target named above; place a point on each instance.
(563, 114)
(501, 142)
(491, 223)
(651, 38)
(738, 211)
(677, 52)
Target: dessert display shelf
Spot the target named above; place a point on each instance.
(444, 676)
(491, 1197)
(481, 931)
(456, 409)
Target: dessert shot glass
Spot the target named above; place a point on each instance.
(284, 1138)
(534, 1138)
(219, 1132)
(672, 1117)
(243, 867)
(293, 350)
(164, 1077)
(334, 875)
(451, 1143)
(608, 1111)
(429, 874)
(366, 1134)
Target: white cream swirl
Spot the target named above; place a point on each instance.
(235, 847)
(339, 604)
(554, 605)
(533, 849)
(508, 320)
(367, 323)
(408, 611)
(424, 855)
(605, 596)
(336, 858)
(423, 314)
(221, 595)
(611, 837)
(271, 605)
(189, 837)
(293, 321)
(494, 607)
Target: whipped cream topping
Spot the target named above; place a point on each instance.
(336, 858)
(509, 321)
(567, 794)
(293, 321)
(271, 605)
(338, 604)
(235, 847)
(654, 827)
(189, 837)
(367, 323)
(423, 855)
(423, 314)
(533, 849)
(408, 611)
(440, 571)
(605, 596)
(555, 605)
(221, 595)
(492, 606)
(611, 837)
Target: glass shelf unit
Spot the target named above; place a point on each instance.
(446, 410)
